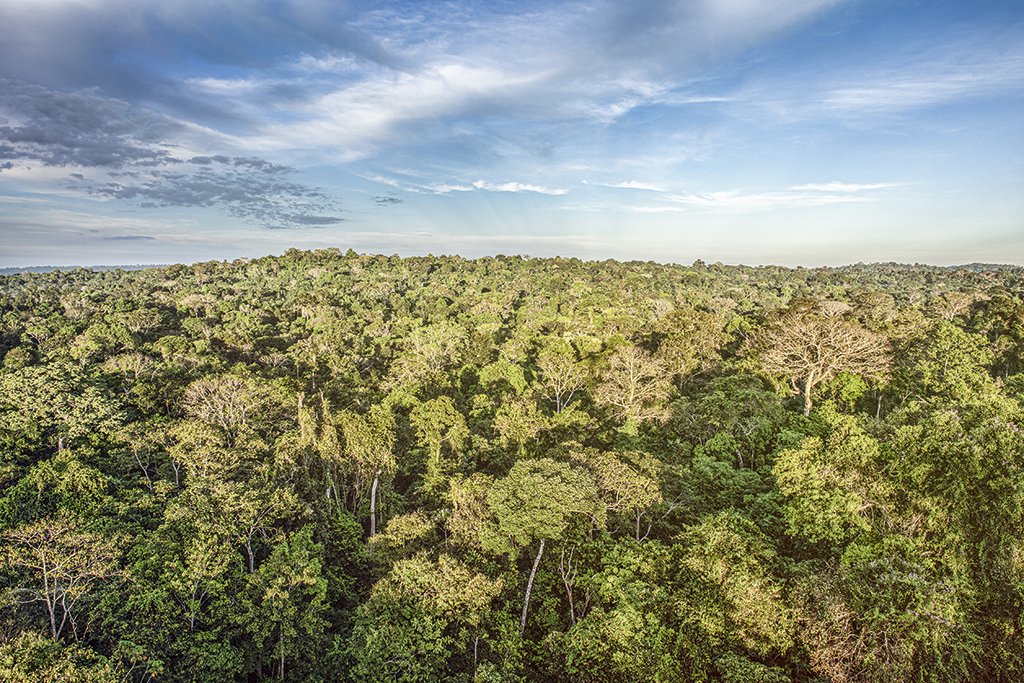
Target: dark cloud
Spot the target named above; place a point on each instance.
(79, 129)
(134, 151)
(129, 238)
(316, 220)
(387, 200)
(245, 187)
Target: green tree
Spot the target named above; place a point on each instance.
(537, 502)
(288, 594)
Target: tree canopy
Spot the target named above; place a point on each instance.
(329, 466)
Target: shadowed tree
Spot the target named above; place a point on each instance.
(62, 563)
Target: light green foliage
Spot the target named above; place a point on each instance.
(629, 633)
(627, 481)
(828, 495)
(56, 405)
(503, 373)
(732, 556)
(442, 430)
(541, 499)
(518, 422)
(32, 658)
(288, 598)
(472, 522)
(418, 617)
(404, 535)
(734, 668)
(947, 362)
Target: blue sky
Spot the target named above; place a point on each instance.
(805, 132)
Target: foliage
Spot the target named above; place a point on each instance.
(330, 466)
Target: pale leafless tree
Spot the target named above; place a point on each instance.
(808, 348)
(635, 386)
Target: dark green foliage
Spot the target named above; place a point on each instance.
(326, 466)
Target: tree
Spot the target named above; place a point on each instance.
(420, 616)
(537, 502)
(946, 362)
(63, 562)
(289, 597)
(635, 386)
(561, 376)
(370, 442)
(32, 657)
(690, 341)
(737, 560)
(808, 348)
(439, 424)
(232, 404)
(628, 483)
(59, 402)
(428, 352)
(830, 482)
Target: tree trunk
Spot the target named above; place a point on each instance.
(808, 385)
(50, 600)
(529, 587)
(373, 504)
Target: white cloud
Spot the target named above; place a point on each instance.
(633, 185)
(762, 201)
(464, 186)
(921, 75)
(517, 187)
(835, 186)
(800, 196)
(445, 188)
(594, 61)
(657, 209)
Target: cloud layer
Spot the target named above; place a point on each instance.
(669, 119)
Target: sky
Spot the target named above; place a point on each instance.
(804, 132)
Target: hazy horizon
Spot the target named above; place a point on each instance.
(47, 267)
(818, 133)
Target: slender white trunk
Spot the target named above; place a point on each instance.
(373, 504)
(529, 587)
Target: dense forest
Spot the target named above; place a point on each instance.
(326, 466)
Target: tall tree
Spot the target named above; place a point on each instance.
(635, 386)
